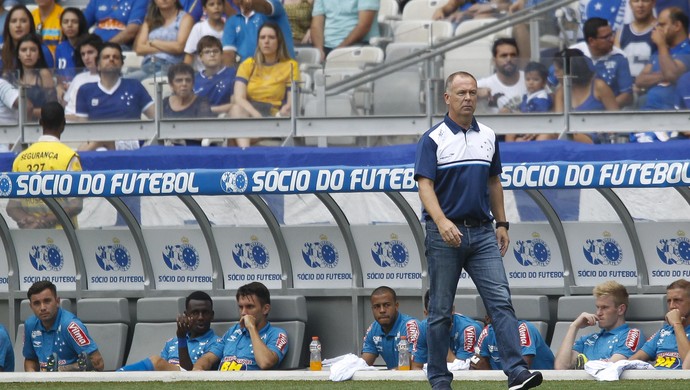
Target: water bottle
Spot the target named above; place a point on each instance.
(403, 354)
(315, 354)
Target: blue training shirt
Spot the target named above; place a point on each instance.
(602, 345)
(530, 340)
(459, 161)
(464, 333)
(663, 97)
(235, 350)
(663, 348)
(386, 344)
(6, 351)
(196, 347)
(67, 337)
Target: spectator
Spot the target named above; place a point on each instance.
(3, 18)
(47, 21)
(611, 10)
(614, 341)
(683, 92)
(587, 92)
(463, 338)
(534, 349)
(299, 15)
(47, 154)
(275, 12)
(456, 11)
(537, 99)
(670, 344)
(213, 26)
(74, 28)
(51, 325)
(194, 337)
(215, 82)
(19, 23)
(658, 78)
(33, 75)
(343, 23)
(87, 49)
(389, 324)
(193, 8)
(240, 34)
(9, 101)
(635, 38)
(116, 21)
(183, 103)
(264, 81)
(504, 89)
(112, 97)
(162, 37)
(253, 343)
(609, 61)
(6, 350)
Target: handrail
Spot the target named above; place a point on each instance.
(453, 43)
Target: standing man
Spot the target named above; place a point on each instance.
(55, 339)
(505, 88)
(670, 345)
(194, 338)
(253, 343)
(383, 335)
(457, 168)
(48, 154)
(613, 342)
(343, 23)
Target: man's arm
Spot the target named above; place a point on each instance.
(184, 323)
(16, 212)
(640, 355)
(675, 319)
(496, 200)
(206, 361)
(265, 358)
(449, 232)
(567, 356)
(365, 20)
(127, 35)
(370, 358)
(31, 365)
(447, 9)
(647, 79)
(624, 99)
(317, 27)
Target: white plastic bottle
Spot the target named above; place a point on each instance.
(315, 354)
(403, 354)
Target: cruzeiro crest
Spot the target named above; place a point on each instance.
(46, 257)
(534, 252)
(603, 250)
(320, 254)
(674, 250)
(232, 182)
(251, 254)
(391, 253)
(113, 257)
(5, 185)
(181, 256)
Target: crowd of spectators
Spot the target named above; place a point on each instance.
(638, 49)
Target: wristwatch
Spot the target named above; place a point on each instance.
(503, 224)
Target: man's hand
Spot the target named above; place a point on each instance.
(673, 317)
(184, 324)
(449, 232)
(248, 322)
(503, 240)
(585, 319)
(658, 37)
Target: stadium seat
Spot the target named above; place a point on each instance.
(290, 313)
(225, 314)
(472, 25)
(569, 307)
(107, 320)
(348, 61)
(422, 31)
(400, 92)
(24, 313)
(155, 325)
(421, 9)
(535, 309)
(131, 61)
(471, 306)
(647, 312)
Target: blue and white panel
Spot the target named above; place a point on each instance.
(180, 259)
(248, 255)
(600, 252)
(111, 259)
(319, 257)
(666, 248)
(44, 254)
(388, 256)
(533, 255)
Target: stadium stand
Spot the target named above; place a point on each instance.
(155, 325)
(107, 320)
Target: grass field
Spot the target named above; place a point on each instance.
(349, 385)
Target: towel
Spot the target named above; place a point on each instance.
(455, 365)
(344, 367)
(611, 371)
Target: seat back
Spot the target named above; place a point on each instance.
(422, 31)
(24, 313)
(107, 321)
(290, 313)
(421, 9)
(155, 325)
(356, 57)
(533, 308)
(569, 308)
(225, 314)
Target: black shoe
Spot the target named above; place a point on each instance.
(526, 380)
(52, 362)
(84, 362)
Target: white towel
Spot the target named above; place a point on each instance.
(344, 367)
(610, 371)
(456, 365)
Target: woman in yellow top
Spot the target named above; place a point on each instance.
(263, 83)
